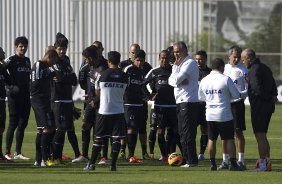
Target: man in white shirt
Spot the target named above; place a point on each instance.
(238, 73)
(217, 90)
(184, 79)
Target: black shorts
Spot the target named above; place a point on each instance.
(89, 114)
(153, 122)
(224, 129)
(238, 112)
(42, 112)
(2, 113)
(260, 121)
(110, 126)
(166, 117)
(202, 115)
(134, 117)
(63, 115)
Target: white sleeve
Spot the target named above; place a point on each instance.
(176, 77)
(201, 93)
(232, 89)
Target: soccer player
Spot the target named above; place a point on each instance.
(133, 102)
(4, 79)
(87, 77)
(184, 79)
(110, 122)
(61, 99)
(164, 103)
(19, 68)
(238, 73)
(40, 92)
(204, 70)
(146, 67)
(262, 93)
(216, 90)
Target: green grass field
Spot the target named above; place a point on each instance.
(151, 171)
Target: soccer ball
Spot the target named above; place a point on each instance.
(175, 159)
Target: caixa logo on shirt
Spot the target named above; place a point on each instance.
(134, 81)
(113, 85)
(213, 91)
(23, 69)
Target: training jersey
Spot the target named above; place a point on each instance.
(19, 69)
(134, 92)
(217, 89)
(5, 79)
(41, 77)
(238, 73)
(112, 84)
(189, 70)
(158, 80)
(61, 86)
(88, 76)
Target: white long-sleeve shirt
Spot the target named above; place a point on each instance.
(187, 92)
(238, 73)
(217, 89)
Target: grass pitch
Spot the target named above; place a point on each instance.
(151, 171)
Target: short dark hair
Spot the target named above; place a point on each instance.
(90, 52)
(61, 40)
(98, 43)
(114, 57)
(235, 48)
(165, 51)
(202, 53)
(217, 63)
(140, 54)
(52, 54)
(21, 39)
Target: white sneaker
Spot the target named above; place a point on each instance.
(189, 165)
(8, 157)
(103, 161)
(43, 164)
(20, 157)
(80, 159)
(36, 163)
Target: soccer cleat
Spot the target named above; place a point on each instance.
(151, 155)
(103, 160)
(133, 159)
(36, 164)
(235, 168)
(242, 165)
(20, 157)
(122, 155)
(257, 164)
(188, 165)
(89, 167)
(223, 166)
(43, 164)
(268, 166)
(80, 159)
(113, 168)
(54, 162)
(259, 170)
(165, 160)
(201, 157)
(213, 168)
(161, 158)
(146, 156)
(65, 157)
(8, 156)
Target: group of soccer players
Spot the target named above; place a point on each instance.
(116, 104)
